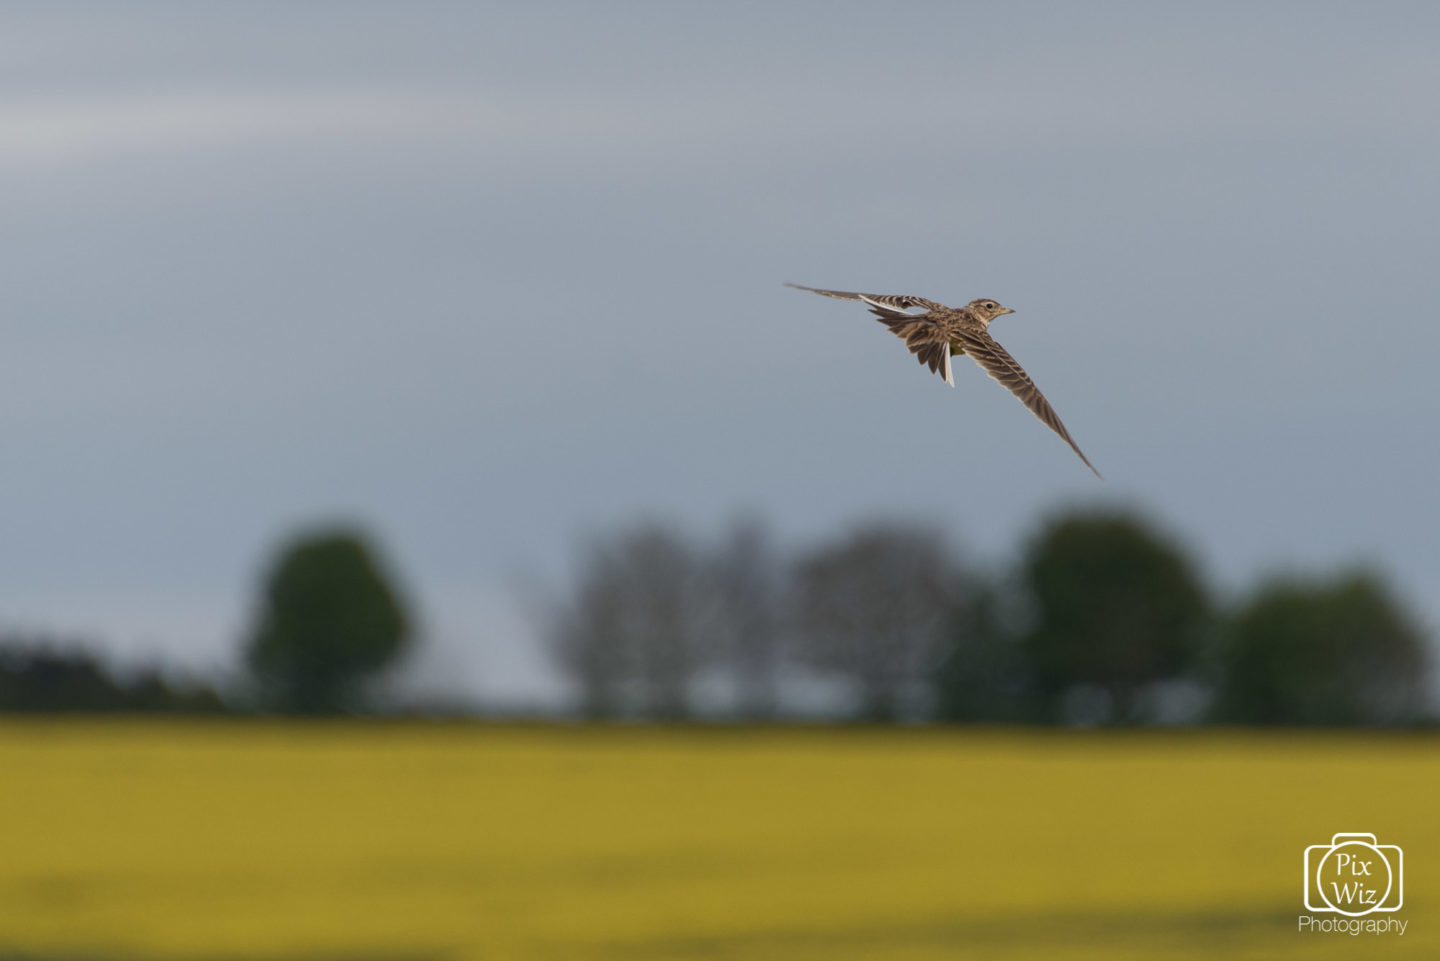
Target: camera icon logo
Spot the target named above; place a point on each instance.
(1354, 876)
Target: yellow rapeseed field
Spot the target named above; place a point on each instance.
(140, 839)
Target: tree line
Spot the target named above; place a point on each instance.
(327, 620)
(1102, 619)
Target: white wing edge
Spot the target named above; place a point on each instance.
(876, 303)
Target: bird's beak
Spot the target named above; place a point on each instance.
(1007, 310)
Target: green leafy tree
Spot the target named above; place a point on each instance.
(329, 619)
(985, 675)
(1317, 652)
(1115, 607)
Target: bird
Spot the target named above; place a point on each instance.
(938, 333)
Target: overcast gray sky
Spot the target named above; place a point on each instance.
(487, 278)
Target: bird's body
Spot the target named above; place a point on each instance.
(942, 332)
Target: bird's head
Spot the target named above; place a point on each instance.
(988, 310)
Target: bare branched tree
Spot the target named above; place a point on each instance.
(634, 637)
(875, 609)
(746, 583)
(586, 637)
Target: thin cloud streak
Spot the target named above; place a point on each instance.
(46, 132)
(745, 121)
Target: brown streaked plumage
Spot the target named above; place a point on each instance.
(942, 332)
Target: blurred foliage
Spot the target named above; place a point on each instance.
(747, 575)
(1114, 607)
(1102, 619)
(634, 636)
(40, 676)
(653, 615)
(873, 609)
(985, 674)
(329, 618)
(1332, 652)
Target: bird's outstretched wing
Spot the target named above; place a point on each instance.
(893, 301)
(927, 340)
(997, 362)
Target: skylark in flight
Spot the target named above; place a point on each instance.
(940, 332)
